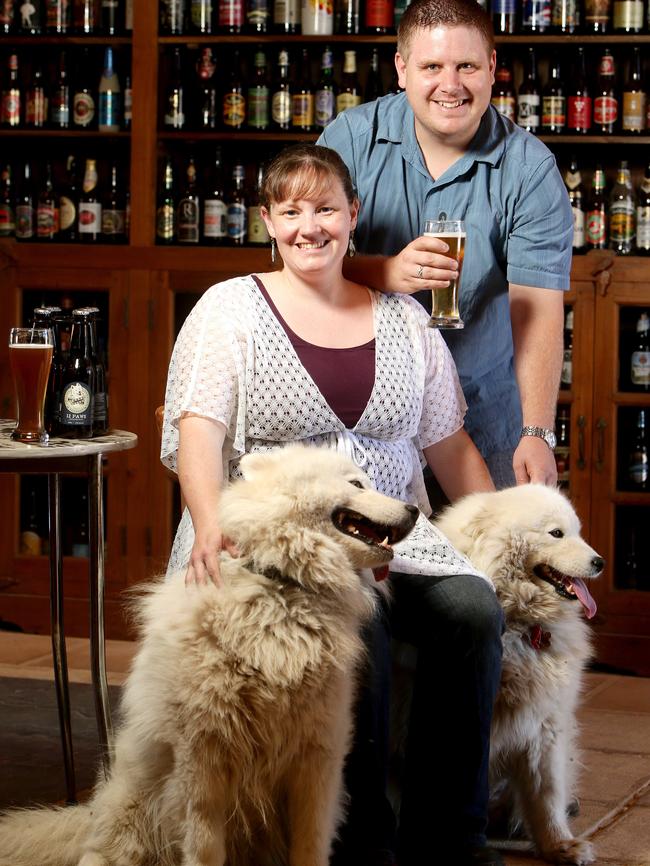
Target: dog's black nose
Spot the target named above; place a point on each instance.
(412, 509)
(598, 563)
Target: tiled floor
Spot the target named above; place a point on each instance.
(615, 738)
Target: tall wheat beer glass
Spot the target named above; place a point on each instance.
(30, 358)
(444, 309)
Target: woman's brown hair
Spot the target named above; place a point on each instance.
(304, 171)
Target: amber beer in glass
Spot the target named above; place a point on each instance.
(30, 358)
(444, 309)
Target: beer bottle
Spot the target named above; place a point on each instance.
(110, 17)
(234, 101)
(25, 209)
(58, 16)
(374, 85)
(214, 206)
(325, 100)
(257, 233)
(503, 94)
(172, 17)
(317, 19)
(565, 16)
(47, 211)
(201, 16)
(174, 110)
(49, 317)
(7, 17)
(598, 14)
(7, 206)
(566, 377)
(536, 16)
(281, 97)
(110, 96)
(231, 16)
(69, 205)
(379, 16)
(114, 211)
(257, 16)
(127, 114)
(642, 216)
(504, 15)
(258, 94)
(236, 215)
(579, 99)
(640, 357)
(286, 16)
(60, 98)
(11, 110)
(100, 403)
(85, 16)
(36, 101)
(597, 212)
(622, 213)
(207, 88)
(554, 101)
(302, 98)
(78, 382)
(90, 206)
(31, 542)
(166, 210)
(634, 100)
(30, 17)
(637, 467)
(628, 16)
(573, 182)
(347, 19)
(563, 447)
(188, 210)
(349, 95)
(528, 100)
(606, 102)
(83, 100)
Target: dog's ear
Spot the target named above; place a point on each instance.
(252, 464)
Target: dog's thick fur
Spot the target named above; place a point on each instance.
(236, 714)
(524, 537)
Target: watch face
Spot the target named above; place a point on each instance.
(551, 439)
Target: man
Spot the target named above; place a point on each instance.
(440, 147)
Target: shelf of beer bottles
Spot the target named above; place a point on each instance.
(187, 136)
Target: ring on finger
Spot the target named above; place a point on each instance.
(419, 273)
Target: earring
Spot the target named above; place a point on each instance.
(273, 250)
(351, 247)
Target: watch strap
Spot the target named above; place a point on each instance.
(542, 433)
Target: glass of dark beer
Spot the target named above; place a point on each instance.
(444, 309)
(30, 358)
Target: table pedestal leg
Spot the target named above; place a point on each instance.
(60, 661)
(97, 644)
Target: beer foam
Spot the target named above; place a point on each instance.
(442, 235)
(30, 345)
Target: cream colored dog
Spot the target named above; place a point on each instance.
(237, 713)
(527, 539)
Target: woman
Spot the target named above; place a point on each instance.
(302, 354)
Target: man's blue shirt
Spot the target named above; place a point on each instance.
(509, 192)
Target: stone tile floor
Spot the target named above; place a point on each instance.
(615, 739)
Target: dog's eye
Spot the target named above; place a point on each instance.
(556, 533)
(356, 483)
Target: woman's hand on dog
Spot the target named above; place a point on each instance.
(204, 559)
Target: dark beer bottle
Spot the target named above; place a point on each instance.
(554, 101)
(257, 234)
(302, 98)
(633, 120)
(234, 102)
(349, 95)
(11, 109)
(379, 16)
(214, 206)
(503, 94)
(25, 208)
(597, 212)
(7, 17)
(579, 98)
(281, 96)
(563, 447)
(231, 16)
(174, 110)
(110, 17)
(69, 205)
(606, 102)
(36, 101)
(85, 16)
(172, 17)
(237, 214)
(201, 16)
(207, 89)
(78, 382)
(47, 210)
(286, 16)
(528, 99)
(7, 205)
(188, 210)
(566, 377)
(536, 16)
(84, 114)
(642, 216)
(638, 464)
(114, 211)
(90, 206)
(60, 97)
(346, 16)
(257, 16)
(258, 95)
(640, 357)
(565, 16)
(166, 210)
(58, 16)
(374, 85)
(573, 182)
(325, 98)
(622, 213)
(100, 403)
(598, 15)
(504, 15)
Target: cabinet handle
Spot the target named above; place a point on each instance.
(601, 424)
(582, 423)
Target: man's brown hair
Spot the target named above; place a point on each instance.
(427, 14)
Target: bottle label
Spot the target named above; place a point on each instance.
(379, 13)
(109, 110)
(236, 221)
(257, 231)
(30, 543)
(165, 222)
(578, 228)
(325, 108)
(6, 12)
(642, 227)
(201, 15)
(505, 105)
(24, 221)
(628, 14)
(640, 368)
(67, 212)
(317, 17)
(528, 110)
(174, 116)
(553, 111)
(562, 461)
(596, 228)
(638, 468)
(83, 109)
(60, 108)
(621, 222)
(90, 218)
(113, 222)
(257, 14)
(7, 221)
(579, 112)
(214, 218)
(605, 110)
(258, 107)
(234, 109)
(172, 15)
(47, 220)
(286, 12)
(566, 376)
(566, 14)
(11, 107)
(504, 7)
(634, 111)
(536, 15)
(188, 221)
(77, 404)
(36, 108)
(302, 109)
(281, 107)
(598, 12)
(347, 100)
(100, 409)
(231, 13)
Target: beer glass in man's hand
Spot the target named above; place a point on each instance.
(444, 309)
(30, 357)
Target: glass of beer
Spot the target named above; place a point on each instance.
(30, 358)
(444, 309)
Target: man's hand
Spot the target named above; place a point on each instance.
(204, 559)
(423, 264)
(533, 461)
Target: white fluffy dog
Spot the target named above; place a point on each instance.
(237, 713)
(527, 539)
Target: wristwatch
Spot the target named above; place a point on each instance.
(547, 435)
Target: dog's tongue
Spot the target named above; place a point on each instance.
(584, 596)
(380, 573)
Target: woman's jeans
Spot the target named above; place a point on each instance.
(456, 625)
